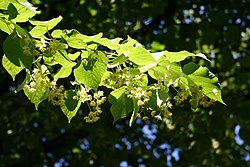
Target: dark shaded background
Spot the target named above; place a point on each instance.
(219, 136)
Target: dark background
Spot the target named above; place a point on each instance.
(219, 136)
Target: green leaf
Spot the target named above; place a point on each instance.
(106, 42)
(62, 58)
(121, 104)
(6, 27)
(63, 72)
(177, 56)
(140, 56)
(25, 81)
(74, 56)
(76, 43)
(86, 38)
(71, 106)
(209, 83)
(190, 68)
(91, 74)
(159, 96)
(41, 27)
(117, 61)
(182, 55)
(16, 56)
(12, 11)
(25, 11)
(11, 68)
(147, 67)
(37, 96)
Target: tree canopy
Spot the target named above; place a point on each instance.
(213, 136)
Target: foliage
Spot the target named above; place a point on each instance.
(124, 66)
(214, 136)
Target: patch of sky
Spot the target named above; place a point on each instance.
(84, 144)
(62, 130)
(127, 143)
(147, 22)
(237, 137)
(149, 133)
(35, 124)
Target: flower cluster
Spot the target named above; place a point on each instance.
(38, 81)
(164, 112)
(29, 47)
(206, 102)
(83, 94)
(181, 96)
(57, 95)
(95, 103)
(119, 78)
(141, 95)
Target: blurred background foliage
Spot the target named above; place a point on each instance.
(219, 136)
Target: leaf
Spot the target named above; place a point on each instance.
(182, 55)
(63, 72)
(6, 27)
(16, 56)
(140, 56)
(36, 97)
(117, 61)
(11, 68)
(76, 43)
(25, 81)
(25, 11)
(158, 97)
(62, 58)
(74, 56)
(190, 68)
(147, 67)
(121, 104)
(71, 106)
(90, 75)
(106, 42)
(209, 83)
(12, 11)
(41, 27)
(177, 56)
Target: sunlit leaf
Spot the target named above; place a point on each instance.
(71, 106)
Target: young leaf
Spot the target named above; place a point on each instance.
(41, 27)
(11, 68)
(106, 42)
(177, 56)
(71, 106)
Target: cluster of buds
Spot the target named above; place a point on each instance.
(206, 102)
(38, 81)
(83, 95)
(119, 78)
(57, 95)
(141, 95)
(181, 96)
(29, 47)
(97, 100)
(164, 112)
